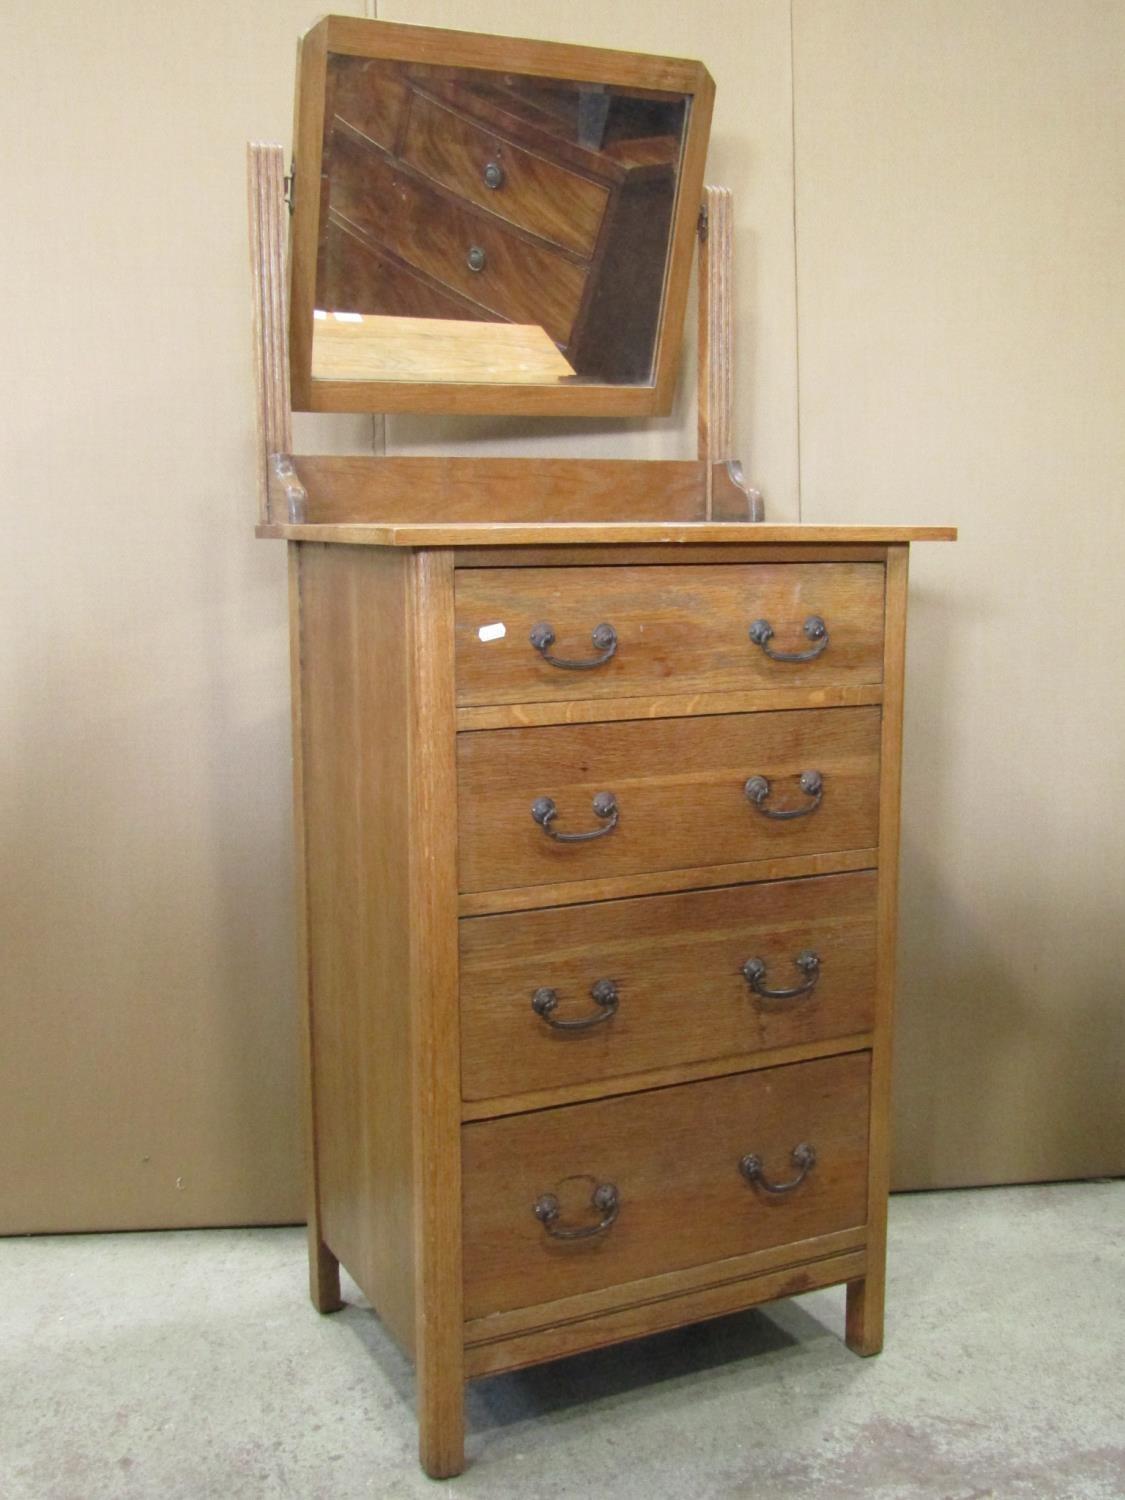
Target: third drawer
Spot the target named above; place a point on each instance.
(582, 993)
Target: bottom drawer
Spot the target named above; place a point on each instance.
(663, 1172)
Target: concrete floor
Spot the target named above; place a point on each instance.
(191, 1365)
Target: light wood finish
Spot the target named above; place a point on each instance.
(654, 882)
(324, 1268)
(265, 172)
(673, 1155)
(679, 786)
(657, 1314)
(437, 958)
(377, 715)
(716, 330)
(676, 962)
(432, 996)
(866, 1297)
(356, 877)
(597, 710)
(584, 533)
(336, 35)
(343, 488)
(686, 628)
(564, 555)
(543, 1315)
(390, 348)
(660, 1078)
(729, 497)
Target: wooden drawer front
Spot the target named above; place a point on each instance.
(536, 194)
(679, 788)
(520, 282)
(673, 1156)
(679, 629)
(676, 965)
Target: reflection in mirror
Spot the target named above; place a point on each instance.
(478, 226)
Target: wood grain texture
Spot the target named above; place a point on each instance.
(597, 710)
(535, 193)
(656, 882)
(676, 962)
(304, 228)
(651, 1289)
(493, 491)
(324, 1268)
(679, 786)
(434, 348)
(661, 1313)
(437, 46)
(691, 554)
(356, 680)
(661, 1078)
(265, 173)
(431, 996)
(716, 329)
(866, 1297)
(673, 1155)
(684, 629)
(392, 206)
(612, 533)
(365, 39)
(689, 194)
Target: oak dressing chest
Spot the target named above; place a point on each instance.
(596, 787)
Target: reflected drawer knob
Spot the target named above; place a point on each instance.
(475, 260)
(494, 175)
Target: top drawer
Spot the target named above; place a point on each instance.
(676, 629)
(525, 189)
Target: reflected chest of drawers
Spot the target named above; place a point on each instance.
(598, 844)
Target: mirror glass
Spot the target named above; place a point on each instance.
(490, 224)
(487, 227)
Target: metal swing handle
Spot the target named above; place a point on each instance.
(604, 1199)
(754, 972)
(604, 993)
(802, 1156)
(604, 637)
(761, 633)
(758, 789)
(544, 811)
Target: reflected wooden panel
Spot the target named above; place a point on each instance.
(434, 349)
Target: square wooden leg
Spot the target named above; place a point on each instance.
(441, 1421)
(864, 1320)
(324, 1275)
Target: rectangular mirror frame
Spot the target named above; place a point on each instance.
(361, 38)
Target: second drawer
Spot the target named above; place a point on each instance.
(664, 794)
(578, 993)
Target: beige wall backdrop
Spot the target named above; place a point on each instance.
(930, 229)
